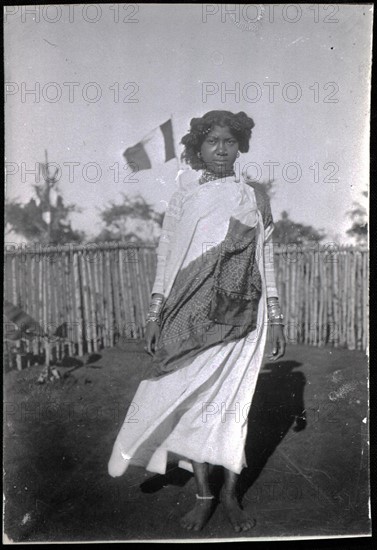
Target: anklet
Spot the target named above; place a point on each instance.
(205, 498)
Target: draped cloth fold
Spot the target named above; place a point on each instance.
(213, 332)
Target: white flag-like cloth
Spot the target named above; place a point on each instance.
(155, 148)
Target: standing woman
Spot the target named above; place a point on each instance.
(213, 300)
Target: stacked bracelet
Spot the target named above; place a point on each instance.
(152, 318)
(155, 308)
(275, 315)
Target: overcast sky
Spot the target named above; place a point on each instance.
(166, 57)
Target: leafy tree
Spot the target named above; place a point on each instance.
(359, 216)
(44, 218)
(132, 220)
(30, 221)
(288, 231)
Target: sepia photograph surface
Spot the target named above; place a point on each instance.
(186, 272)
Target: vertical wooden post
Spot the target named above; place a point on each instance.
(78, 305)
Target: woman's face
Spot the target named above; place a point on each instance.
(219, 150)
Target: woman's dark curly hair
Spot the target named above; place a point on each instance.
(240, 126)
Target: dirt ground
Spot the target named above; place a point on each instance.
(307, 472)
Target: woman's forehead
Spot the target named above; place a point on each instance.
(220, 131)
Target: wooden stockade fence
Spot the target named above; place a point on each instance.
(324, 294)
(86, 297)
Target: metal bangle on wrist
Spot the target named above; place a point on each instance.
(277, 320)
(275, 316)
(153, 318)
(155, 308)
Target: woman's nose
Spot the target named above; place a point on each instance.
(221, 147)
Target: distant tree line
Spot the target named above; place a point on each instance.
(135, 220)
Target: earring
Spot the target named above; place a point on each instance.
(238, 154)
(199, 155)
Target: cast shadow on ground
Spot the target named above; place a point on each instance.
(73, 363)
(278, 404)
(174, 476)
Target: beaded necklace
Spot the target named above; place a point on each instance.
(207, 175)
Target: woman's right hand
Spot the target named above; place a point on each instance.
(152, 332)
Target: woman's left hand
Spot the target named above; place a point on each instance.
(278, 342)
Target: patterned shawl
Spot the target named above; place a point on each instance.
(214, 297)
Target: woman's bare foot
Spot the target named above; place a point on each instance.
(239, 519)
(199, 515)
